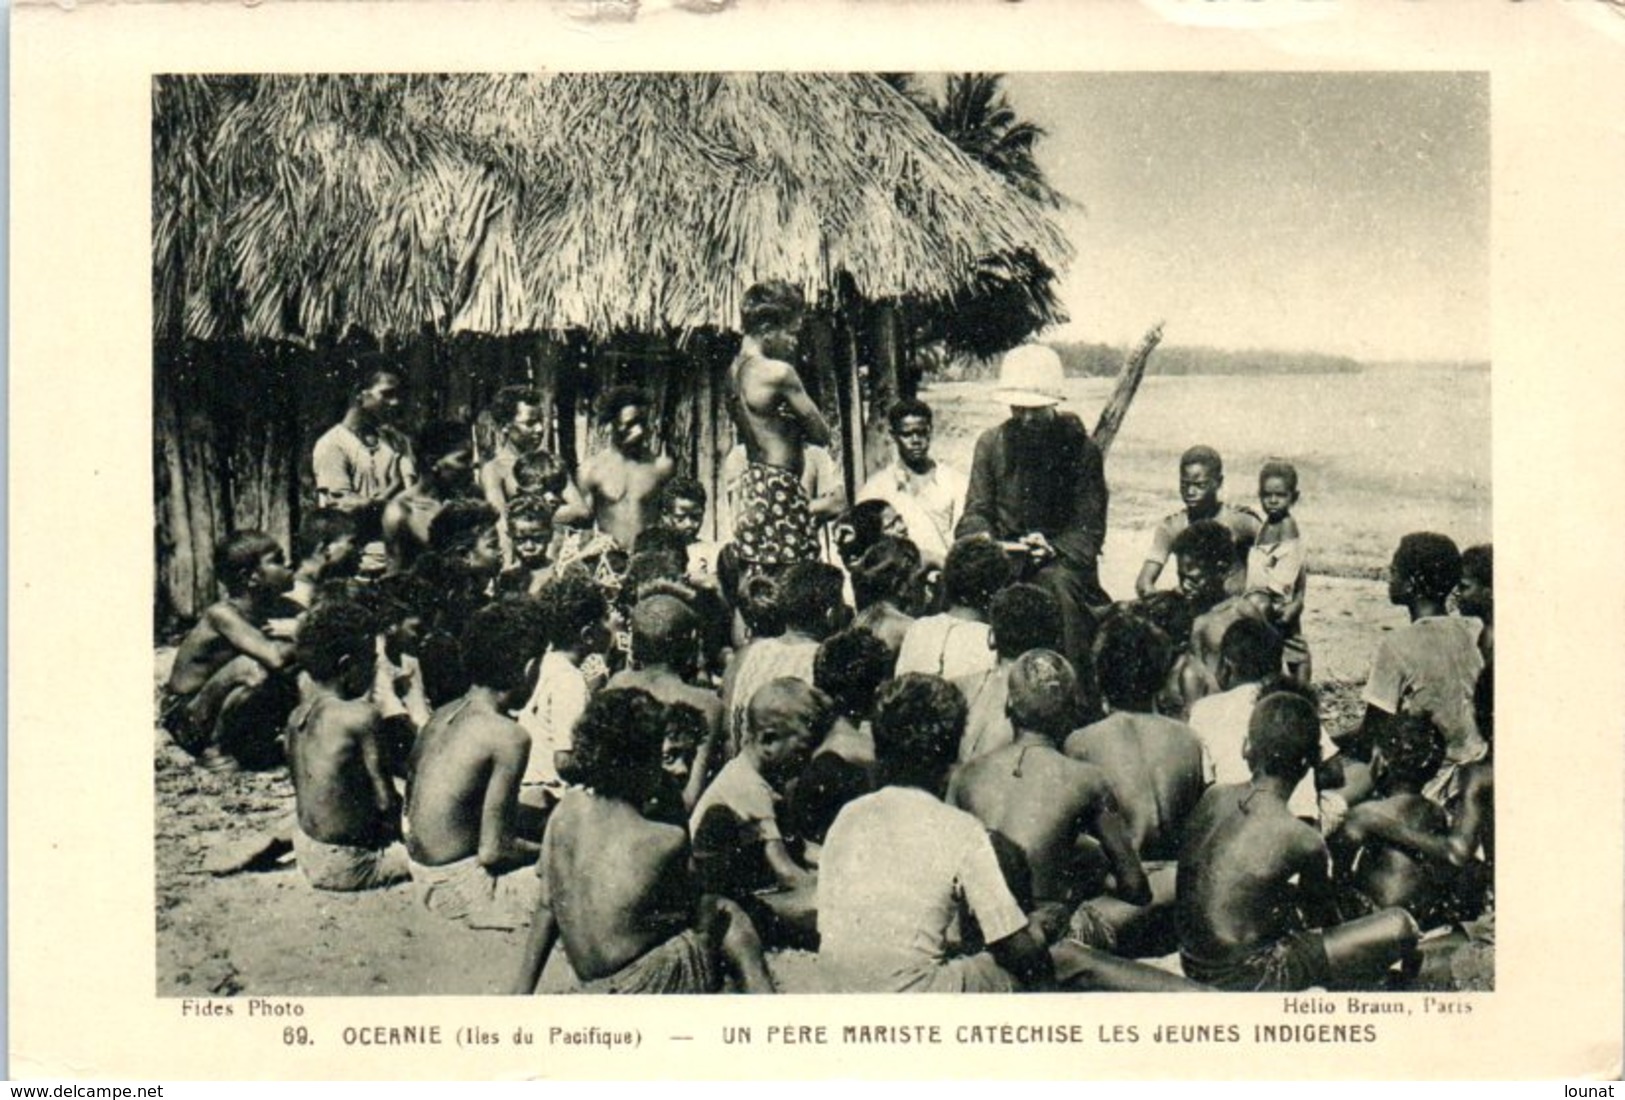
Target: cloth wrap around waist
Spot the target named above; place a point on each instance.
(682, 964)
(346, 867)
(774, 523)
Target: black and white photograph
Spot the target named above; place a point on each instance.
(822, 532)
(518, 509)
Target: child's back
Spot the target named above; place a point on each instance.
(452, 765)
(670, 688)
(1041, 802)
(1241, 849)
(616, 886)
(337, 773)
(348, 812)
(1155, 766)
(616, 882)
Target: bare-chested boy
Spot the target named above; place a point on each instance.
(1154, 763)
(1207, 553)
(1156, 768)
(1472, 812)
(1031, 795)
(520, 419)
(348, 811)
(1374, 874)
(445, 456)
(326, 549)
(620, 485)
(776, 420)
(223, 696)
(616, 886)
(463, 798)
(530, 532)
(1465, 853)
(665, 660)
(1255, 904)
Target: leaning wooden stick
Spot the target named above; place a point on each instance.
(1128, 382)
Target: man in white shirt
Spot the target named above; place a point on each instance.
(898, 864)
(929, 495)
(362, 461)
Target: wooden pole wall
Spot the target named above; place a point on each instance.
(883, 385)
(234, 425)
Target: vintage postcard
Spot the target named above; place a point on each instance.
(838, 501)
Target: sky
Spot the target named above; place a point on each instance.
(1345, 213)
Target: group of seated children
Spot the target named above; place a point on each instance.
(669, 764)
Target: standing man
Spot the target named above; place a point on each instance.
(1038, 486)
(929, 495)
(776, 420)
(361, 462)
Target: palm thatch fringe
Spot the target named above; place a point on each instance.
(287, 207)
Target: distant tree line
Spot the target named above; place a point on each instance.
(1094, 360)
(1105, 360)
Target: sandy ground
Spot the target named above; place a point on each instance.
(269, 933)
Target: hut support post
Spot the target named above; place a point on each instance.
(883, 386)
(852, 406)
(708, 441)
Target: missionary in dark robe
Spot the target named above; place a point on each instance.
(1038, 486)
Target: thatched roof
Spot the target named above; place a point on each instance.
(290, 206)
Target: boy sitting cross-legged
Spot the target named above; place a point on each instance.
(1374, 874)
(1255, 905)
(348, 811)
(616, 886)
(463, 799)
(740, 847)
